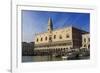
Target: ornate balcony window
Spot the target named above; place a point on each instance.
(46, 38)
(54, 36)
(60, 37)
(67, 36)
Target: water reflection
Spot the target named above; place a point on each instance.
(46, 58)
(40, 58)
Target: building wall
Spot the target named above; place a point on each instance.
(41, 38)
(62, 34)
(77, 37)
(71, 37)
(60, 38)
(86, 41)
(56, 35)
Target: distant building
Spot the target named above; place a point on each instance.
(27, 48)
(62, 39)
(86, 41)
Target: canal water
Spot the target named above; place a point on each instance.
(39, 58)
(45, 58)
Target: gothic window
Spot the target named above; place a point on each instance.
(41, 39)
(84, 39)
(89, 39)
(60, 37)
(84, 45)
(50, 38)
(46, 38)
(54, 36)
(88, 46)
(67, 36)
(37, 39)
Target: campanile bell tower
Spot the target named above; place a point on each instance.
(50, 25)
(50, 29)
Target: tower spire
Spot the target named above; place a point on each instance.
(50, 25)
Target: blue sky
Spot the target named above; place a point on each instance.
(36, 22)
